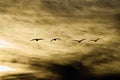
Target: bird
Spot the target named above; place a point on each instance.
(37, 39)
(55, 39)
(79, 41)
(95, 40)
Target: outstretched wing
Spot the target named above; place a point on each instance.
(32, 39)
(58, 38)
(76, 40)
(98, 38)
(40, 39)
(92, 40)
(82, 39)
(51, 40)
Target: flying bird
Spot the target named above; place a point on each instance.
(37, 39)
(79, 41)
(55, 39)
(95, 40)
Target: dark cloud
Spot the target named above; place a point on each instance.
(60, 8)
(101, 56)
(78, 7)
(72, 71)
(117, 23)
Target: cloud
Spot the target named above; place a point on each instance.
(79, 7)
(62, 60)
(64, 8)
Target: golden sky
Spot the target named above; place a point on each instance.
(23, 20)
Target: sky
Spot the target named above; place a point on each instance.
(24, 20)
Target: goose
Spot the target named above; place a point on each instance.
(55, 39)
(95, 40)
(37, 39)
(79, 41)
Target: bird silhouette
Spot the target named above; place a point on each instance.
(79, 41)
(55, 39)
(37, 39)
(95, 40)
